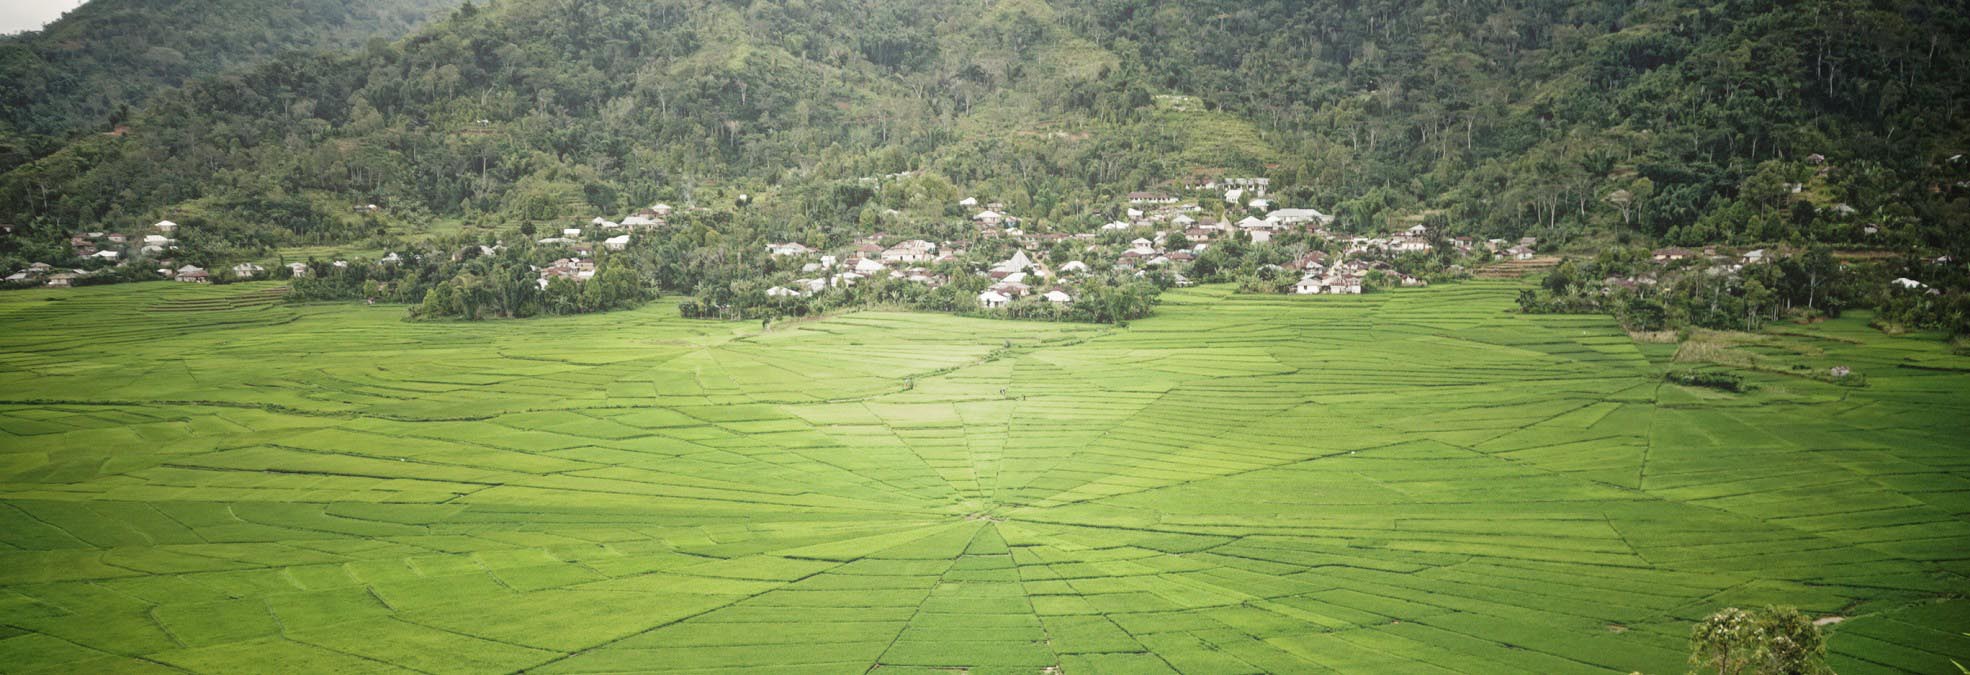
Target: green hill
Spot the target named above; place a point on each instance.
(84, 72)
(1674, 120)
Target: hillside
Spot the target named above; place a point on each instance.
(1584, 126)
(1515, 116)
(92, 68)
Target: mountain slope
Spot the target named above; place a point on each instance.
(88, 68)
(1517, 117)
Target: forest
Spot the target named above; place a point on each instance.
(92, 70)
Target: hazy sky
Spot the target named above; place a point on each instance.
(20, 15)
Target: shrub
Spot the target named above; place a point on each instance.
(1706, 378)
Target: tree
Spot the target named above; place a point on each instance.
(1772, 641)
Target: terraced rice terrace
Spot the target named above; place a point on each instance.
(1413, 481)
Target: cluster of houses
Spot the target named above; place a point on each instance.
(572, 269)
(610, 235)
(916, 260)
(115, 248)
(907, 260)
(1019, 276)
(1717, 261)
(614, 235)
(47, 275)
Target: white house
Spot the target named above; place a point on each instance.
(1908, 283)
(298, 270)
(1117, 225)
(1410, 245)
(1074, 267)
(991, 299)
(1308, 286)
(1142, 246)
(571, 232)
(616, 243)
(247, 270)
(968, 202)
(914, 250)
(989, 218)
(1343, 285)
(105, 255)
(1017, 263)
(869, 266)
(1260, 204)
(782, 292)
(639, 221)
(1234, 196)
(787, 248)
(166, 226)
(1057, 295)
(1299, 216)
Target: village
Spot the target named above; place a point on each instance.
(1157, 236)
(1009, 262)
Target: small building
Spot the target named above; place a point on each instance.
(1151, 198)
(993, 299)
(298, 270)
(1299, 217)
(1017, 263)
(616, 243)
(914, 250)
(192, 274)
(1058, 296)
(247, 270)
(1672, 254)
(165, 226)
(782, 292)
(787, 248)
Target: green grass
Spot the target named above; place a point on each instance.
(1415, 481)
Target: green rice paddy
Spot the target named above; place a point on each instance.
(194, 479)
